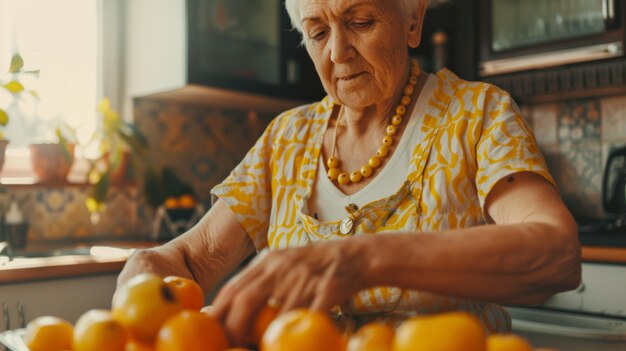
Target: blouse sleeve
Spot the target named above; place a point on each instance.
(247, 190)
(506, 144)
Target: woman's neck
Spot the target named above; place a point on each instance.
(359, 120)
(357, 123)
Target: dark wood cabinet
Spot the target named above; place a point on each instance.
(455, 19)
(553, 50)
(248, 46)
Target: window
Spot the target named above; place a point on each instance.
(86, 49)
(63, 40)
(58, 38)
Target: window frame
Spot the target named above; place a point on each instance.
(110, 66)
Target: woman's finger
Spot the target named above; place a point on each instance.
(298, 294)
(242, 310)
(327, 294)
(225, 295)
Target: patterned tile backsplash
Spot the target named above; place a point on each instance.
(203, 143)
(200, 144)
(576, 137)
(60, 214)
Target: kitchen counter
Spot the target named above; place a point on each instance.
(101, 261)
(100, 258)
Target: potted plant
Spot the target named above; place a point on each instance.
(52, 161)
(11, 89)
(122, 150)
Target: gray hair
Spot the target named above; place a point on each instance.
(406, 8)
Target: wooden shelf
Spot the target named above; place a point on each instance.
(215, 97)
(604, 254)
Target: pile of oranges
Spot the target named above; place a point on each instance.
(154, 314)
(148, 313)
(185, 201)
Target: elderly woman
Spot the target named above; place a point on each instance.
(401, 192)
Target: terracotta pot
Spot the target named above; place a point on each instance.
(51, 162)
(3, 149)
(124, 172)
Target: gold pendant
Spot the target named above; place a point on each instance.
(346, 226)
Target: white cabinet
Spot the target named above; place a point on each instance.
(66, 298)
(605, 288)
(601, 291)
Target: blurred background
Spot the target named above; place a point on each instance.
(117, 117)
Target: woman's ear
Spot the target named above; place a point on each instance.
(415, 22)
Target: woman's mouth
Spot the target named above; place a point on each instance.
(352, 76)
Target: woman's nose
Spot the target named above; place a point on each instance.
(341, 49)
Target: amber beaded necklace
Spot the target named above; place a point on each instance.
(334, 173)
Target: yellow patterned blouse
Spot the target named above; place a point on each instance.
(471, 135)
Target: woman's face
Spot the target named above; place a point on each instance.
(359, 47)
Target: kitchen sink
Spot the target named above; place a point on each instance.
(69, 251)
(96, 251)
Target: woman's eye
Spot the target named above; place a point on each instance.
(362, 24)
(318, 35)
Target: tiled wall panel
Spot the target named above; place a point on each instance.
(200, 144)
(576, 137)
(59, 213)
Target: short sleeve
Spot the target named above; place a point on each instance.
(247, 190)
(506, 144)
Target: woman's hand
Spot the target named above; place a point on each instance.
(151, 261)
(317, 277)
(206, 253)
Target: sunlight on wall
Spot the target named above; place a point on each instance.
(59, 38)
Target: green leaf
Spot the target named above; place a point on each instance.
(93, 206)
(64, 145)
(137, 134)
(135, 143)
(104, 105)
(17, 63)
(33, 72)
(101, 189)
(4, 118)
(14, 87)
(34, 94)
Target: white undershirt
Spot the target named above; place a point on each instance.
(329, 203)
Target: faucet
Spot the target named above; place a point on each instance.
(6, 250)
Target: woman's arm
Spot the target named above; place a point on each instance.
(532, 252)
(206, 253)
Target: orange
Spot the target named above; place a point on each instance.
(171, 202)
(507, 342)
(187, 291)
(49, 334)
(138, 346)
(192, 331)
(143, 305)
(451, 331)
(302, 330)
(186, 201)
(262, 321)
(96, 330)
(372, 337)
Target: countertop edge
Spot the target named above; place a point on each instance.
(60, 270)
(68, 266)
(604, 254)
